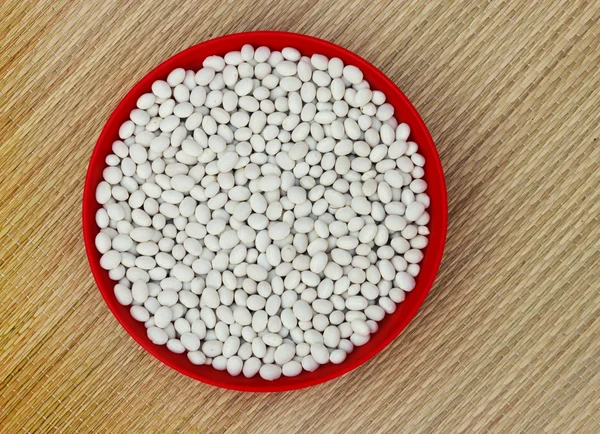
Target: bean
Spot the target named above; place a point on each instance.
(263, 212)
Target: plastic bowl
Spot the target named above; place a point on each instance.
(390, 326)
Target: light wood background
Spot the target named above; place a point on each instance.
(508, 340)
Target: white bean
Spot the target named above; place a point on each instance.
(263, 212)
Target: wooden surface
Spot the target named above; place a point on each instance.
(508, 340)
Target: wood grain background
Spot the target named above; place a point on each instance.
(508, 340)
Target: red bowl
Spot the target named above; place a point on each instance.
(390, 326)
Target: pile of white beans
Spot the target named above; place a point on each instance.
(263, 213)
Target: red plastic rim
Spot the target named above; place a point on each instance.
(390, 326)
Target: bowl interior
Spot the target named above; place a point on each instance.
(390, 326)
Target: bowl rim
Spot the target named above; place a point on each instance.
(434, 167)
